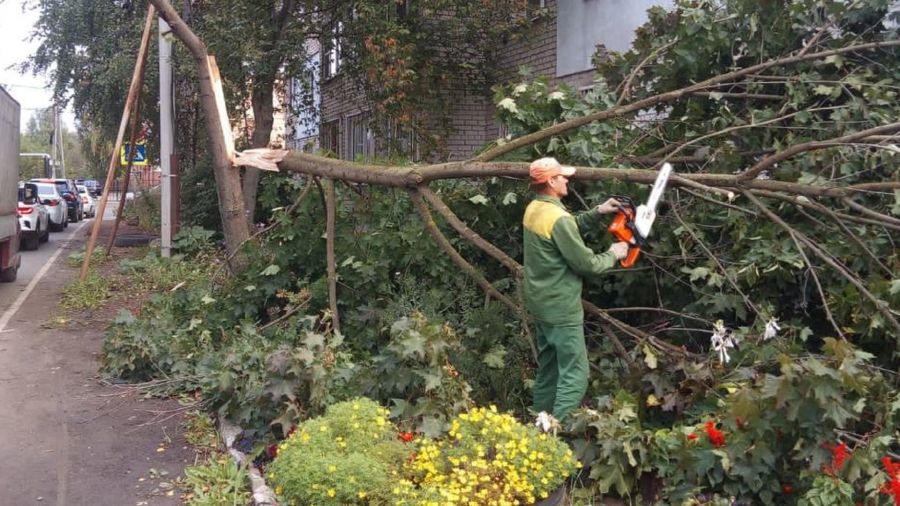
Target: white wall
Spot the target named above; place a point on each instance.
(583, 24)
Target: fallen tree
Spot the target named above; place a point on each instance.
(778, 234)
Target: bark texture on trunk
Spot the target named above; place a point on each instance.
(263, 121)
(228, 181)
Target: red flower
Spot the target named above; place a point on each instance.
(787, 489)
(692, 437)
(839, 454)
(272, 451)
(892, 486)
(406, 437)
(716, 437)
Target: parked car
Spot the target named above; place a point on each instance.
(69, 192)
(87, 201)
(34, 220)
(55, 205)
(93, 186)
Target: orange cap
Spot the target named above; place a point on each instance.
(542, 169)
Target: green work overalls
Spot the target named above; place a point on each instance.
(556, 260)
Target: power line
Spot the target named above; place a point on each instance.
(9, 85)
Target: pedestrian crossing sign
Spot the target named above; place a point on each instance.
(140, 154)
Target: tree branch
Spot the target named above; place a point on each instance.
(880, 305)
(812, 270)
(732, 282)
(868, 212)
(444, 244)
(670, 96)
(406, 177)
(771, 160)
(467, 233)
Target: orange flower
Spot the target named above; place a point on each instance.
(839, 454)
(892, 486)
(716, 437)
(406, 437)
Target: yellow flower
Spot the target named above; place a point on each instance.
(332, 492)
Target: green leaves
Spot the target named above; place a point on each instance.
(271, 270)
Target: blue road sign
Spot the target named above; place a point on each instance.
(140, 154)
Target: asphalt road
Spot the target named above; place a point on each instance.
(66, 438)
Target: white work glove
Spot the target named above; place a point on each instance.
(609, 207)
(547, 423)
(619, 250)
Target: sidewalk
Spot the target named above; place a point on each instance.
(68, 439)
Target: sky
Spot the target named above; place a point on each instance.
(30, 91)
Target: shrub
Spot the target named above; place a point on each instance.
(489, 458)
(345, 457)
(144, 210)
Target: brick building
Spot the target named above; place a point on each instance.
(559, 46)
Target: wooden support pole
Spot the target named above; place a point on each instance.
(126, 177)
(330, 210)
(133, 91)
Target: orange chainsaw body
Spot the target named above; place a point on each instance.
(622, 228)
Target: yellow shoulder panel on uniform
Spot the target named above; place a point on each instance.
(540, 217)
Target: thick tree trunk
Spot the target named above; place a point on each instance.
(263, 120)
(228, 181)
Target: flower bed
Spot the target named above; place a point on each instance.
(355, 455)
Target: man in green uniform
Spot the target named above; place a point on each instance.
(556, 260)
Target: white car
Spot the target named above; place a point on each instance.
(34, 220)
(90, 205)
(56, 206)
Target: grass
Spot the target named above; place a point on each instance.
(200, 431)
(217, 481)
(76, 258)
(88, 294)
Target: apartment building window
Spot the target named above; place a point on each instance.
(361, 142)
(331, 136)
(403, 141)
(331, 56)
(402, 8)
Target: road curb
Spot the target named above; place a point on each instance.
(262, 494)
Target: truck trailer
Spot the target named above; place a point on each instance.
(9, 187)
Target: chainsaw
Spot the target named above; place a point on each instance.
(632, 224)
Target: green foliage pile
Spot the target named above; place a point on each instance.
(254, 347)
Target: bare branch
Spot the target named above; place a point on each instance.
(880, 305)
